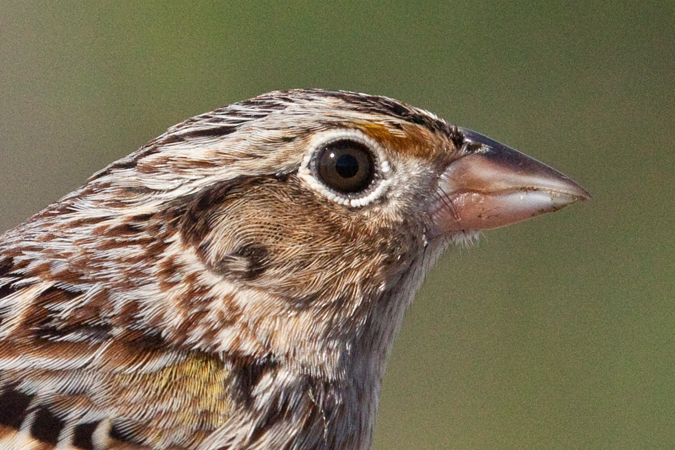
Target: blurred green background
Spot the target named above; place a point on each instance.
(558, 333)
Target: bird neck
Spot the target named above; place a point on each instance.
(334, 384)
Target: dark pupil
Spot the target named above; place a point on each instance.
(346, 166)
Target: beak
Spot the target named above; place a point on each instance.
(495, 185)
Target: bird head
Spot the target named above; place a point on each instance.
(300, 223)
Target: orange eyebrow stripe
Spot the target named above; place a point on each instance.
(409, 140)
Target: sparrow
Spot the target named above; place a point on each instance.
(237, 283)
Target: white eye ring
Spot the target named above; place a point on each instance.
(382, 169)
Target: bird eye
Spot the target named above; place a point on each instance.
(345, 166)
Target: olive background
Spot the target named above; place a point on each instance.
(557, 333)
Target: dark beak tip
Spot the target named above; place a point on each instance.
(587, 195)
(577, 193)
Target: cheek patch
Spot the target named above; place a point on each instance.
(248, 262)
